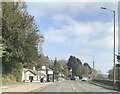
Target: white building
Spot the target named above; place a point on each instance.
(29, 75)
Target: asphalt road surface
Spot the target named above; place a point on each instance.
(75, 87)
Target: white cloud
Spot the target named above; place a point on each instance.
(55, 35)
(41, 9)
(90, 34)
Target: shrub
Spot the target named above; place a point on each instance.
(17, 71)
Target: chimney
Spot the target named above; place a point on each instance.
(34, 68)
(43, 67)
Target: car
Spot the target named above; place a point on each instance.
(61, 79)
(76, 77)
(72, 78)
(85, 79)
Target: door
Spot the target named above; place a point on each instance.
(31, 78)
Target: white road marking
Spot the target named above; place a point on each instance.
(74, 88)
(71, 84)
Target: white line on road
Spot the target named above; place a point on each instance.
(74, 88)
(71, 84)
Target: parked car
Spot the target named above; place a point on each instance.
(85, 79)
(73, 78)
(61, 79)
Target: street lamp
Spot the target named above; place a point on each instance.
(114, 72)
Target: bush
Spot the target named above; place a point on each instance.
(8, 79)
(17, 71)
(12, 71)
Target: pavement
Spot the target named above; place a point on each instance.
(24, 87)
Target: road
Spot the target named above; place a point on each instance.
(75, 87)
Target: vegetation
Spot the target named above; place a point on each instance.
(60, 68)
(20, 43)
(20, 38)
(110, 72)
(41, 61)
(86, 69)
(77, 68)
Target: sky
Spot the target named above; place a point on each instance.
(80, 29)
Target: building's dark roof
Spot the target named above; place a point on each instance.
(35, 72)
(38, 73)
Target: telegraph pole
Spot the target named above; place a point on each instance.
(93, 65)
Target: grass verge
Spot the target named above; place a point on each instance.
(102, 85)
